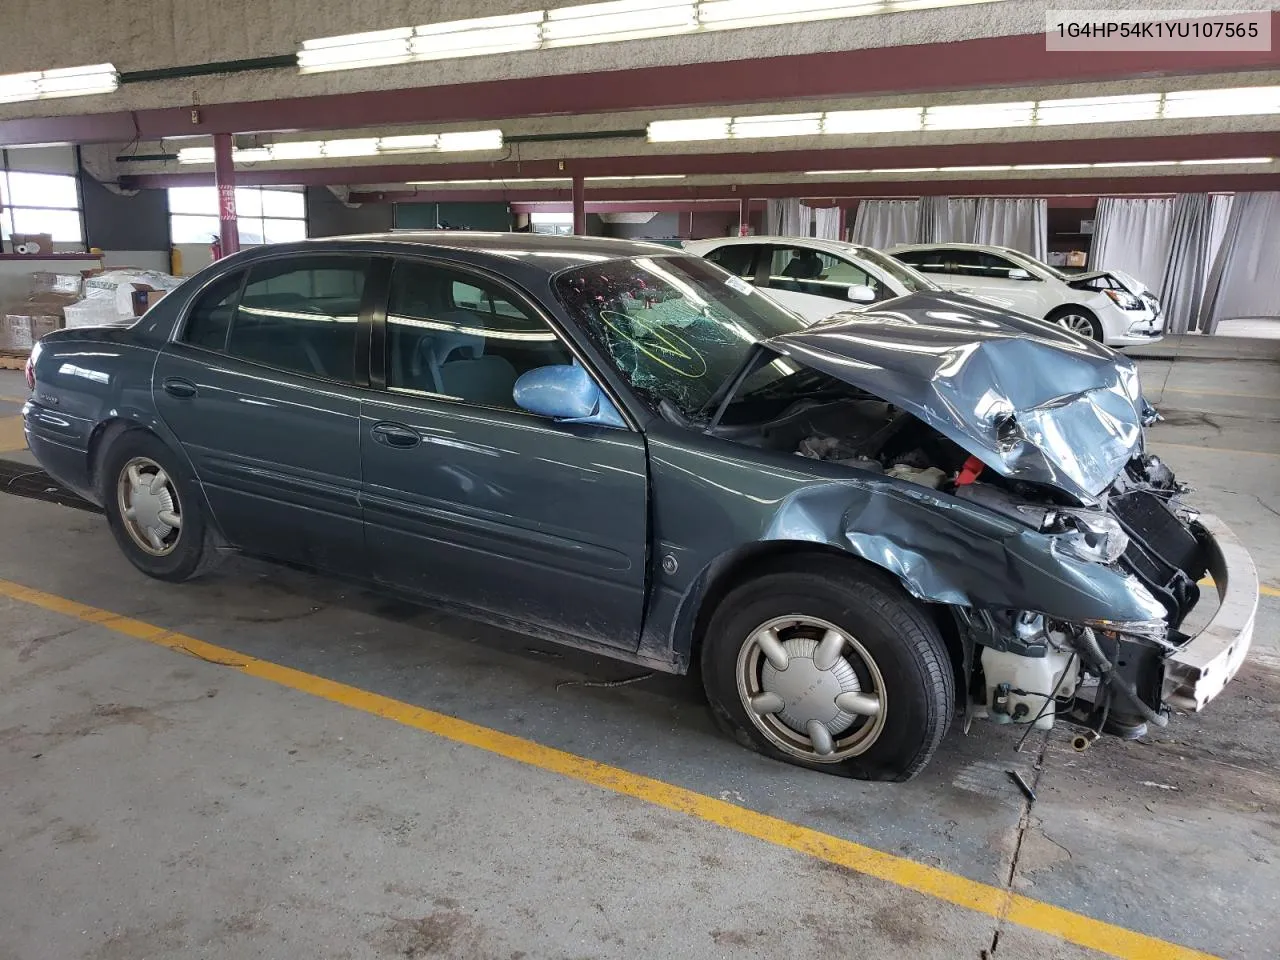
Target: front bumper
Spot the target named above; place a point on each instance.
(1198, 671)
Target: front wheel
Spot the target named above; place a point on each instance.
(153, 508)
(836, 670)
(1077, 320)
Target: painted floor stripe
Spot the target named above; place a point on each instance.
(11, 435)
(982, 898)
(1218, 393)
(1157, 443)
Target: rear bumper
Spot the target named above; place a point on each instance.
(1205, 664)
(56, 443)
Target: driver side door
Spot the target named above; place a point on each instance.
(471, 500)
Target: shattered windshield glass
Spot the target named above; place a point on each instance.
(675, 327)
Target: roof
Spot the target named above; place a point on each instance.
(545, 253)
(810, 243)
(949, 245)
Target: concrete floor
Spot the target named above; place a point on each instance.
(156, 805)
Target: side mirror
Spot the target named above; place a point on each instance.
(861, 293)
(565, 392)
(1019, 274)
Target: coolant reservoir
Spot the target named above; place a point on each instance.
(1039, 679)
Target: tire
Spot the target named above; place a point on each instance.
(890, 650)
(188, 549)
(1078, 320)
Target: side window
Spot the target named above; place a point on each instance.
(802, 270)
(926, 261)
(462, 336)
(734, 257)
(996, 266)
(300, 315)
(210, 317)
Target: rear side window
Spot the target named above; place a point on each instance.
(926, 261)
(210, 318)
(301, 315)
(734, 257)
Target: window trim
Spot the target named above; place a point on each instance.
(378, 357)
(363, 325)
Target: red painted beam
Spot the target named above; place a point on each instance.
(1130, 149)
(1046, 187)
(962, 65)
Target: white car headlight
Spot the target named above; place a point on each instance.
(1086, 535)
(1124, 299)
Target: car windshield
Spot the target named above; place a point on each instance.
(675, 327)
(912, 279)
(1025, 260)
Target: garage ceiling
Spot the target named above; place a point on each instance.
(584, 110)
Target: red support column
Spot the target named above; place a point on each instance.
(224, 175)
(744, 216)
(579, 206)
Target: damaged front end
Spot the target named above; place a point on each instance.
(1003, 474)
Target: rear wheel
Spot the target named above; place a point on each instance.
(837, 670)
(1077, 320)
(153, 508)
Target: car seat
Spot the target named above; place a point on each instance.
(456, 365)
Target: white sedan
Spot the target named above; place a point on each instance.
(1109, 306)
(816, 278)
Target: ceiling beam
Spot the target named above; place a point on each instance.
(986, 62)
(1079, 186)
(1126, 150)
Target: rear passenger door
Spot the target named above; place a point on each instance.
(261, 388)
(470, 499)
(813, 284)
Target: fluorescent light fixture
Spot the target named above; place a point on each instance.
(1116, 164)
(195, 155)
(703, 128)
(618, 20)
(776, 125)
(1143, 106)
(374, 49)
(1231, 102)
(360, 147)
(893, 120)
(1049, 166)
(642, 176)
(64, 82)
(981, 116)
(478, 36)
(297, 150)
(470, 140)
(1021, 167)
(486, 183)
(1240, 160)
(247, 155)
(736, 14)
(906, 170)
(608, 22)
(413, 143)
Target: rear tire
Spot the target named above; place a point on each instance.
(153, 507)
(1077, 320)
(874, 705)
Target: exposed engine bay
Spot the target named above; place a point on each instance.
(1022, 667)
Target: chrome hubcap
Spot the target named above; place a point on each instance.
(1077, 323)
(811, 688)
(149, 506)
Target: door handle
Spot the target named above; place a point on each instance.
(177, 387)
(396, 435)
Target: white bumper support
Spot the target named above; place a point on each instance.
(1197, 672)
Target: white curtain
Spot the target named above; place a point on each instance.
(1133, 236)
(788, 218)
(1219, 213)
(1245, 279)
(1185, 272)
(826, 223)
(1022, 224)
(882, 223)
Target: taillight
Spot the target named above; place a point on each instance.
(29, 371)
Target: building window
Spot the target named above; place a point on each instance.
(558, 223)
(39, 203)
(264, 214)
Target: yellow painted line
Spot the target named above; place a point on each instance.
(949, 887)
(11, 437)
(1157, 442)
(9, 399)
(1263, 589)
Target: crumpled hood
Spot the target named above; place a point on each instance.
(1028, 399)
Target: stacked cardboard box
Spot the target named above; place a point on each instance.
(26, 321)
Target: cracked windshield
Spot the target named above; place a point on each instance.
(676, 327)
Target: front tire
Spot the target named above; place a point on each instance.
(153, 508)
(833, 669)
(1079, 321)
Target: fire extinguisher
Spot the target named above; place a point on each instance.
(215, 248)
